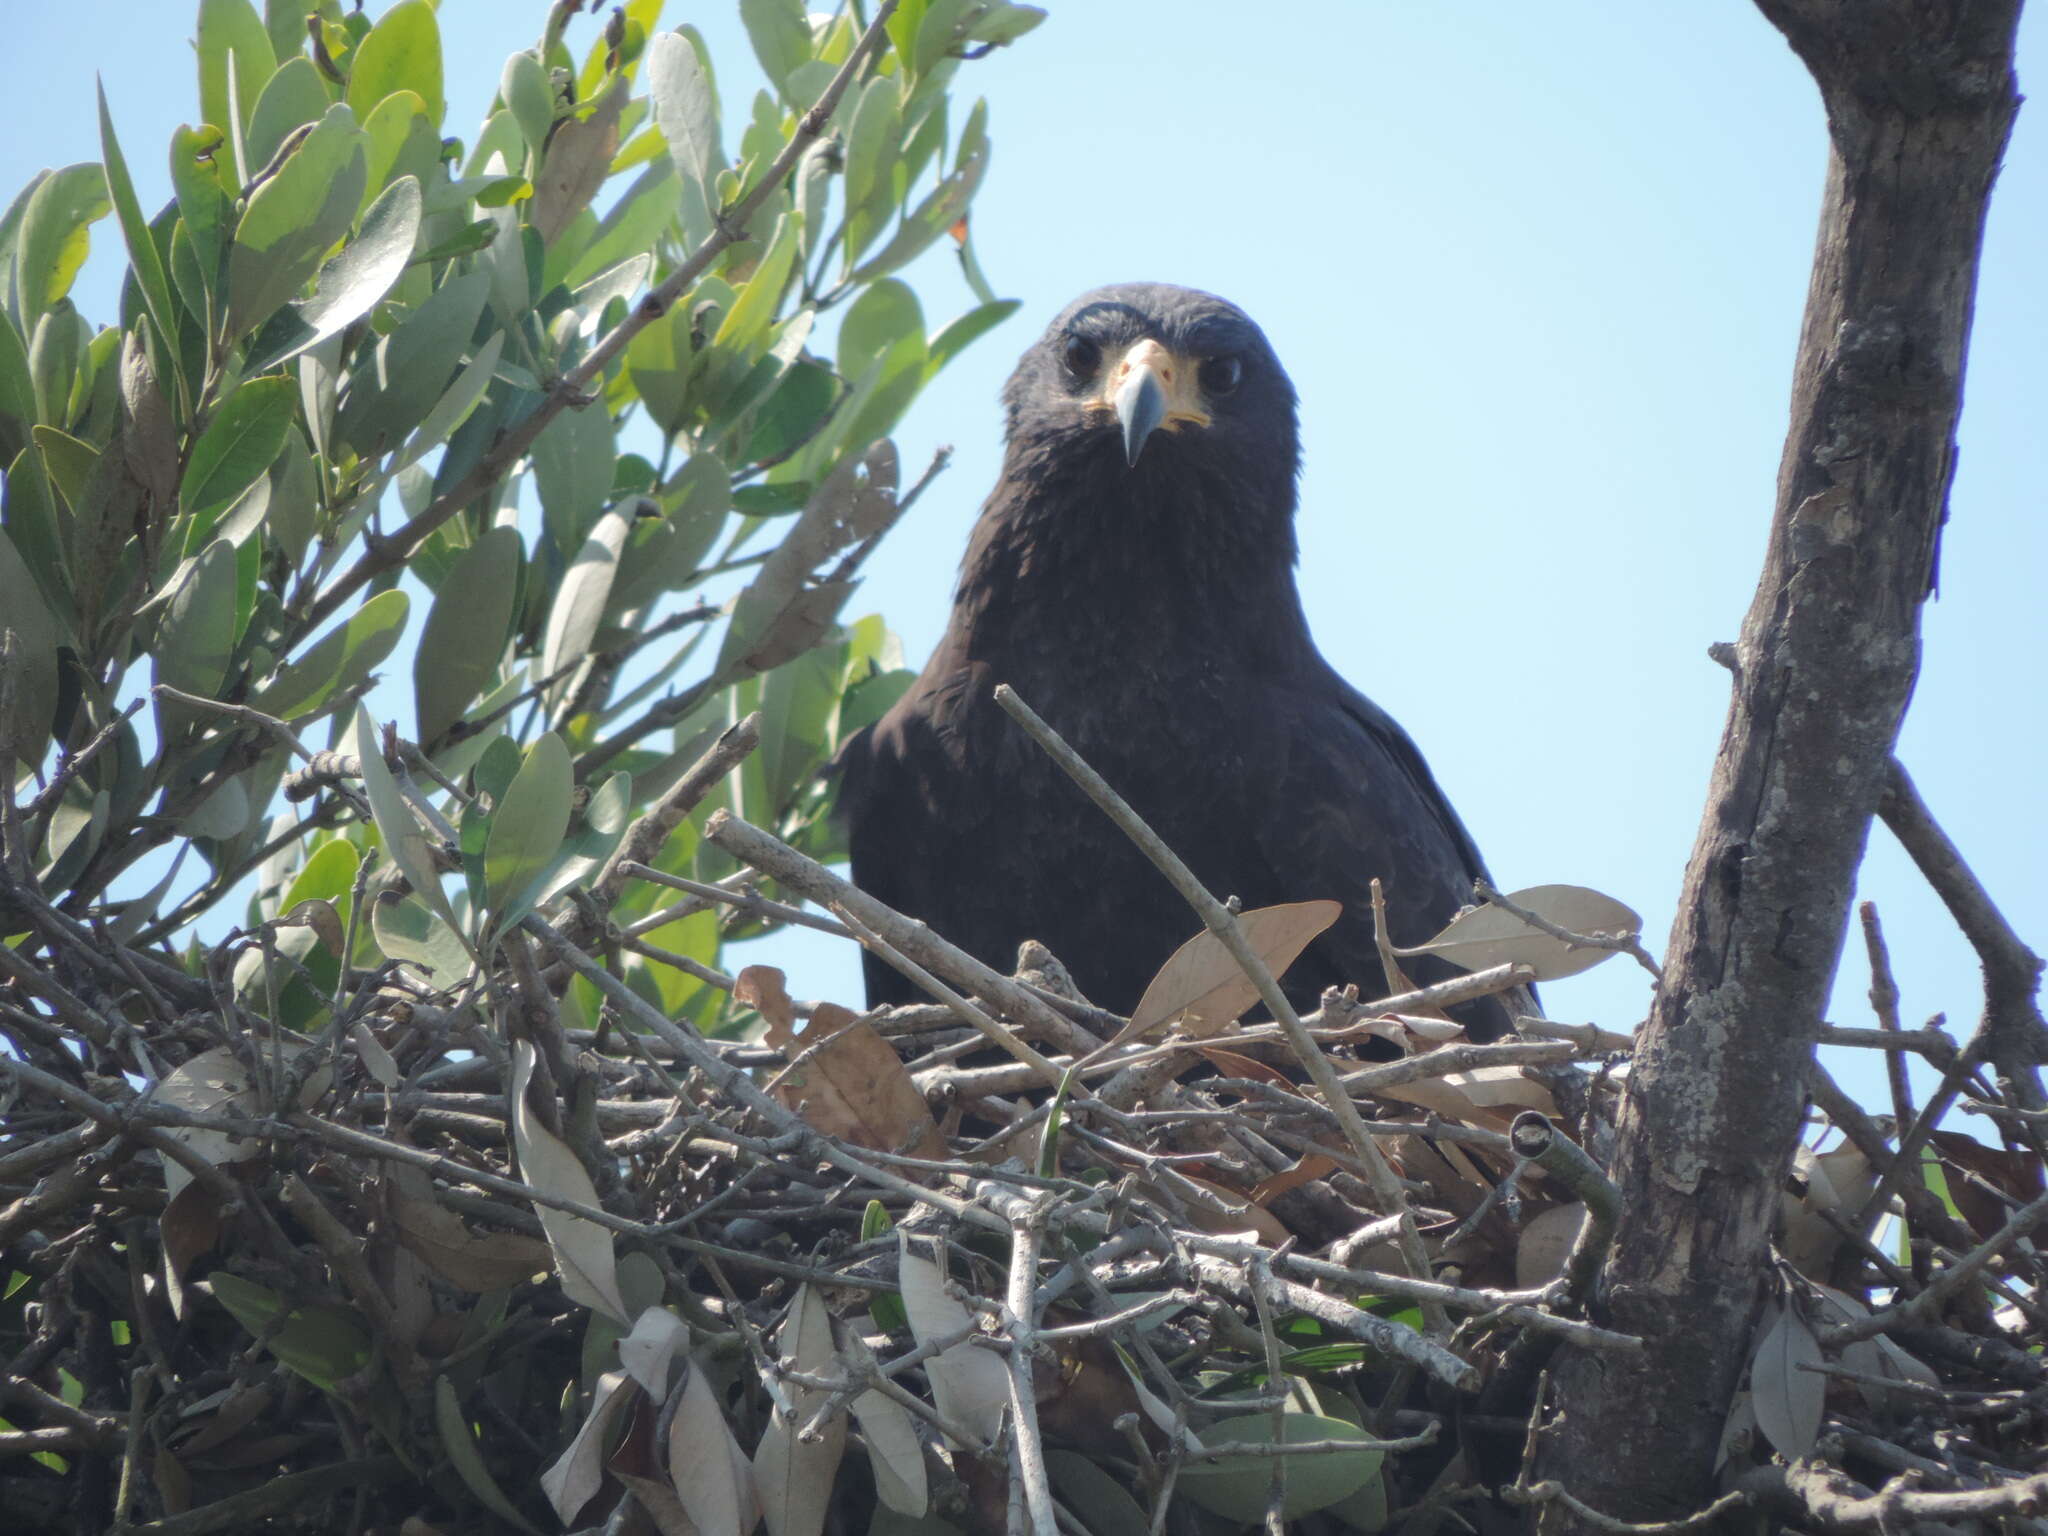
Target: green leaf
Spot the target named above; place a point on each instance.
(402, 53)
(56, 234)
(527, 827)
(231, 35)
(26, 727)
(464, 638)
(203, 206)
(195, 643)
(572, 471)
(296, 95)
(956, 336)
(685, 109)
(580, 601)
(17, 392)
(944, 207)
(468, 1461)
(295, 218)
(636, 221)
(388, 394)
(879, 319)
(405, 930)
(456, 403)
(872, 145)
(523, 87)
(744, 331)
(321, 1341)
(664, 555)
(350, 285)
(402, 141)
(238, 446)
(1002, 23)
(781, 34)
(1236, 1487)
(285, 21)
(605, 820)
(405, 843)
(143, 255)
(342, 659)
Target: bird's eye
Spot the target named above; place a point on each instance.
(1080, 357)
(1221, 375)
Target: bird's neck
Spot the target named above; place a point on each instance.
(1129, 569)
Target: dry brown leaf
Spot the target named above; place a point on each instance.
(849, 1082)
(1202, 989)
(1246, 1216)
(444, 1242)
(1234, 1064)
(894, 1454)
(1312, 1166)
(2012, 1173)
(579, 157)
(657, 1339)
(240, 1406)
(1440, 1096)
(1546, 1242)
(634, 1463)
(190, 1225)
(1482, 937)
(319, 915)
(1504, 1087)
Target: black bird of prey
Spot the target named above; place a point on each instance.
(1132, 576)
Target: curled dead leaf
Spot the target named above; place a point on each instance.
(843, 1077)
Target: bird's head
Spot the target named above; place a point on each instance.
(1149, 380)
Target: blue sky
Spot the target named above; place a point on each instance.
(1537, 273)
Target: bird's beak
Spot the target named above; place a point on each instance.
(1151, 387)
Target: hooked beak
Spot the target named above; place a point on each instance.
(1140, 404)
(1150, 388)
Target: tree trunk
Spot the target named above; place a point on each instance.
(1920, 97)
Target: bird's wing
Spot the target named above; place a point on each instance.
(1354, 800)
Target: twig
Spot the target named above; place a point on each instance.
(793, 871)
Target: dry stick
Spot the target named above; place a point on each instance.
(1884, 1002)
(1943, 1285)
(981, 1081)
(1219, 920)
(1020, 1322)
(1046, 1072)
(2012, 1032)
(1923, 1207)
(741, 1089)
(745, 899)
(793, 871)
(574, 386)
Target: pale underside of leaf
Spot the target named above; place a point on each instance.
(970, 1386)
(1481, 937)
(583, 1250)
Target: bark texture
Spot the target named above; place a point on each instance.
(1920, 98)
